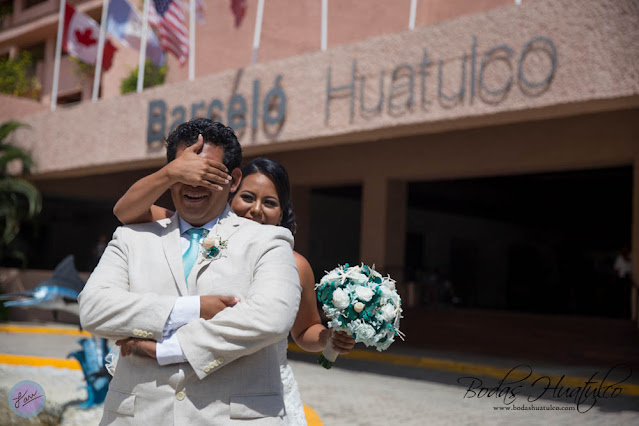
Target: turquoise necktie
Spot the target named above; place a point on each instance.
(190, 255)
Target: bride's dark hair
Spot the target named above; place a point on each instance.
(278, 175)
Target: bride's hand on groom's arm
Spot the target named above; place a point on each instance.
(209, 307)
(146, 346)
(212, 305)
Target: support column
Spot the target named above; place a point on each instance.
(301, 198)
(17, 8)
(634, 294)
(46, 75)
(383, 229)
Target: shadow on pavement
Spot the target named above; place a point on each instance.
(510, 391)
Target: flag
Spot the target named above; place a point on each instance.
(239, 10)
(167, 16)
(199, 11)
(125, 23)
(80, 38)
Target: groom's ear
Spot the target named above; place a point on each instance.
(236, 178)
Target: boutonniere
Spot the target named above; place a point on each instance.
(212, 247)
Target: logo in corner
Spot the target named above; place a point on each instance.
(27, 398)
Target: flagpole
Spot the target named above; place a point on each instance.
(324, 24)
(191, 40)
(97, 73)
(258, 31)
(413, 12)
(142, 56)
(58, 53)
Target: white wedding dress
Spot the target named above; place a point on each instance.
(292, 399)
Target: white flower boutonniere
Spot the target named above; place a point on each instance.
(212, 247)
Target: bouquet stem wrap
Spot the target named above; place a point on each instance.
(328, 357)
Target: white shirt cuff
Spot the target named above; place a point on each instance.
(169, 351)
(186, 309)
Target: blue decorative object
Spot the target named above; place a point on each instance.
(58, 293)
(91, 359)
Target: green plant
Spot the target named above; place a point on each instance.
(153, 76)
(16, 76)
(20, 201)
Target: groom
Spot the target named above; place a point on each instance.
(164, 282)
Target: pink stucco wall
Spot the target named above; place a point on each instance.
(595, 70)
(12, 108)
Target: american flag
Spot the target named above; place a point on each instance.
(167, 16)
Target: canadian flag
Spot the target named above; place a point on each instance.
(80, 39)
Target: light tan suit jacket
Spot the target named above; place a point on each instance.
(232, 373)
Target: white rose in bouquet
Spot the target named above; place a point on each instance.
(386, 292)
(358, 278)
(341, 299)
(388, 312)
(364, 331)
(364, 293)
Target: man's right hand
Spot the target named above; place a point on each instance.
(212, 305)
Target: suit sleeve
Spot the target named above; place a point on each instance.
(263, 317)
(108, 307)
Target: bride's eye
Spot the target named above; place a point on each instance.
(248, 198)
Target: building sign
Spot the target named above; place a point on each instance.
(268, 111)
(413, 85)
(487, 77)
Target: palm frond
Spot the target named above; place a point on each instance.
(10, 228)
(9, 152)
(8, 127)
(15, 186)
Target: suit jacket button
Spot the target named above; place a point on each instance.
(136, 332)
(180, 396)
(219, 361)
(207, 369)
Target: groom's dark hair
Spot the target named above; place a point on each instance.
(213, 133)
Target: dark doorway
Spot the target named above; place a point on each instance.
(543, 243)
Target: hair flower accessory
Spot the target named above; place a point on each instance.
(212, 247)
(362, 303)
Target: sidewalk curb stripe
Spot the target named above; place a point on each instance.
(39, 361)
(629, 389)
(311, 417)
(42, 330)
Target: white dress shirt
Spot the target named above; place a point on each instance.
(186, 309)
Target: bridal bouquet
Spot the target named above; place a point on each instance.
(359, 301)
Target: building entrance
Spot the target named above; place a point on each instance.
(539, 243)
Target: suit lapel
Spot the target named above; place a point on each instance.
(173, 252)
(226, 226)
